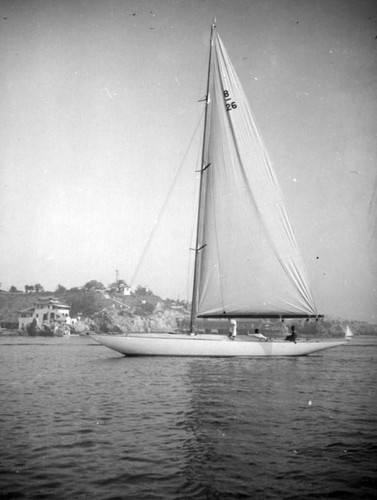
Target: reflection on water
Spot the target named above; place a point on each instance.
(78, 421)
(277, 429)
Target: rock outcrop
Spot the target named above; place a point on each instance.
(111, 320)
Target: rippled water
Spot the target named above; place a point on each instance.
(79, 421)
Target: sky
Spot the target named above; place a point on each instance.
(101, 113)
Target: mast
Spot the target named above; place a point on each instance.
(202, 169)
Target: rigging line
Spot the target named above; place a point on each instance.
(163, 208)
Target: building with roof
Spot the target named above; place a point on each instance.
(46, 311)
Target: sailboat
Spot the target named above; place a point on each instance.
(247, 263)
(348, 332)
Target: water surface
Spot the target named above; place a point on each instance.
(80, 421)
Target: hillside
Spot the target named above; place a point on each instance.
(112, 312)
(103, 312)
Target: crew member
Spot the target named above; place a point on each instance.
(293, 336)
(233, 329)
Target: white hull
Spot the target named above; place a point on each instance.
(165, 344)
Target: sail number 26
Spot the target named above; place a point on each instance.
(229, 105)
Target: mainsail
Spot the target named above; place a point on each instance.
(248, 263)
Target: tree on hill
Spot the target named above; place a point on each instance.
(93, 285)
(85, 303)
(117, 286)
(13, 289)
(39, 288)
(60, 289)
(142, 290)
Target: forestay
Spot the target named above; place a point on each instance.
(248, 262)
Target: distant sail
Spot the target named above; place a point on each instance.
(248, 263)
(348, 332)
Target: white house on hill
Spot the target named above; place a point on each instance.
(125, 289)
(46, 311)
